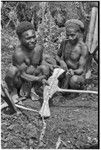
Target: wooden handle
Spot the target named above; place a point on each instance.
(77, 91)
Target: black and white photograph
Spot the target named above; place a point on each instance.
(49, 74)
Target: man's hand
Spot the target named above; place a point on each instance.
(30, 69)
(22, 67)
(63, 65)
(45, 82)
(40, 78)
(71, 72)
(52, 67)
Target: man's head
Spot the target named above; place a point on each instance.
(74, 28)
(26, 34)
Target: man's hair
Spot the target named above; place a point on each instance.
(76, 24)
(24, 26)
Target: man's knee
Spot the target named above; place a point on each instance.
(12, 72)
(76, 82)
(11, 77)
(45, 69)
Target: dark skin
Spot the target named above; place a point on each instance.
(72, 56)
(26, 59)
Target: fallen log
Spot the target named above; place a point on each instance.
(52, 89)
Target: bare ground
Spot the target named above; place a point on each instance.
(75, 120)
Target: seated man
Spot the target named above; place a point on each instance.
(72, 55)
(28, 55)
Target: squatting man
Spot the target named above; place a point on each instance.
(73, 55)
(26, 60)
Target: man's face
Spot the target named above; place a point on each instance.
(28, 39)
(72, 35)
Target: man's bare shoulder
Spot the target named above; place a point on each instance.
(38, 48)
(63, 42)
(18, 55)
(18, 51)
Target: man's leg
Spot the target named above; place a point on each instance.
(12, 79)
(44, 70)
(76, 82)
(64, 81)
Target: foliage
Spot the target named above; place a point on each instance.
(40, 14)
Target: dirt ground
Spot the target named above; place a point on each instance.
(74, 119)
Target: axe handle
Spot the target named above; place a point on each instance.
(77, 91)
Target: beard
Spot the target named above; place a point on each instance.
(29, 46)
(73, 41)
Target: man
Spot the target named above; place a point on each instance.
(26, 59)
(72, 55)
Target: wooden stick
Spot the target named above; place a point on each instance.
(25, 108)
(77, 91)
(4, 105)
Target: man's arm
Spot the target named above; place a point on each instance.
(59, 57)
(82, 60)
(18, 60)
(37, 55)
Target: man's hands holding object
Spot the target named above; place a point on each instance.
(64, 66)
